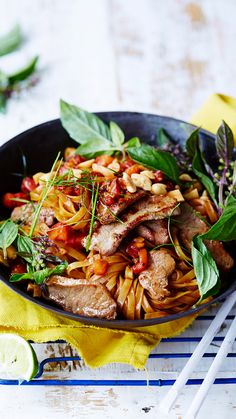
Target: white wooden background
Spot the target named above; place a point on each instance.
(162, 56)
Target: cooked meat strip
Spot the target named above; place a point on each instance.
(107, 238)
(81, 297)
(189, 224)
(107, 214)
(155, 278)
(154, 231)
(25, 214)
(222, 258)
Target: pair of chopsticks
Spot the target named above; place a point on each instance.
(225, 348)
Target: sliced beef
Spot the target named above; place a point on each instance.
(155, 278)
(25, 215)
(154, 231)
(81, 297)
(189, 224)
(107, 238)
(107, 214)
(222, 258)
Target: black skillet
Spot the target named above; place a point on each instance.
(40, 146)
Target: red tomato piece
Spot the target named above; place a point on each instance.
(59, 232)
(28, 184)
(100, 267)
(104, 160)
(142, 262)
(18, 267)
(10, 200)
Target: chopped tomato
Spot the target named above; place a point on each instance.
(18, 267)
(75, 239)
(100, 267)
(28, 184)
(132, 250)
(59, 232)
(169, 185)
(64, 233)
(12, 200)
(74, 160)
(127, 163)
(104, 160)
(108, 199)
(135, 168)
(142, 262)
(159, 176)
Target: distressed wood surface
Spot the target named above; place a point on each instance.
(160, 56)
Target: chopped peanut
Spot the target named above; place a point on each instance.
(191, 194)
(77, 173)
(130, 186)
(185, 177)
(69, 152)
(158, 189)
(176, 194)
(141, 181)
(115, 166)
(103, 170)
(86, 164)
(148, 173)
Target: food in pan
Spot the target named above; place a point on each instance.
(121, 229)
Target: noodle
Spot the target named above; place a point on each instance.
(70, 195)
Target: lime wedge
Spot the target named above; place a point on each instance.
(18, 360)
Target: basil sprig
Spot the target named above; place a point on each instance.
(8, 233)
(198, 164)
(98, 138)
(155, 159)
(11, 40)
(205, 268)
(40, 276)
(207, 273)
(225, 228)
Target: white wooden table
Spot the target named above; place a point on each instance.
(160, 56)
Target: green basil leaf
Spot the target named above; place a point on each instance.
(117, 135)
(192, 142)
(81, 125)
(95, 147)
(24, 72)
(163, 138)
(11, 41)
(199, 170)
(224, 142)
(205, 268)
(7, 235)
(3, 102)
(39, 276)
(25, 245)
(225, 228)
(133, 142)
(155, 159)
(3, 81)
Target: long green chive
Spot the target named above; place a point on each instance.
(45, 194)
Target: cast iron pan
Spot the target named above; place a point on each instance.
(41, 144)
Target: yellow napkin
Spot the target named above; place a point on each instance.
(99, 346)
(216, 108)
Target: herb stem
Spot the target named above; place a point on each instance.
(45, 194)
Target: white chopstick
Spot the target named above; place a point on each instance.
(225, 348)
(212, 330)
